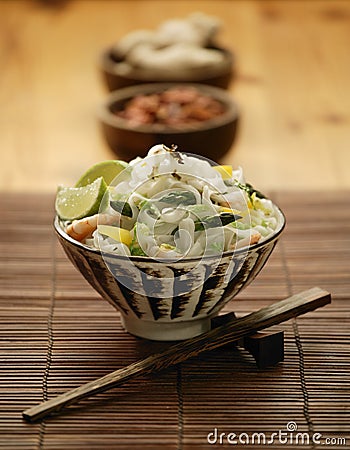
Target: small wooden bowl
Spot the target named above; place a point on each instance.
(108, 64)
(211, 138)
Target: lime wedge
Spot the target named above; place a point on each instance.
(108, 170)
(75, 203)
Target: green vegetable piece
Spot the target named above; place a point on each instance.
(122, 207)
(179, 198)
(249, 189)
(215, 221)
(252, 190)
(135, 248)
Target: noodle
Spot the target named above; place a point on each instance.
(180, 205)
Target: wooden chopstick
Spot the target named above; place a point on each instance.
(231, 331)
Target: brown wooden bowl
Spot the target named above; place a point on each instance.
(211, 138)
(108, 65)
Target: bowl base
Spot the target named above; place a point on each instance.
(166, 331)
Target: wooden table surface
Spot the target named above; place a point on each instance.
(292, 84)
(57, 333)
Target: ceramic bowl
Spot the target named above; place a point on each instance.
(113, 79)
(164, 300)
(210, 138)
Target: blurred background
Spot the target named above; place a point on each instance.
(291, 82)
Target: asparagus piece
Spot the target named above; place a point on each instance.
(215, 221)
(179, 198)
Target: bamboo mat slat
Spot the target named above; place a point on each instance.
(57, 333)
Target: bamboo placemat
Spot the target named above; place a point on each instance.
(57, 333)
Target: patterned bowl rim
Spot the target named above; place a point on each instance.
(59, 230)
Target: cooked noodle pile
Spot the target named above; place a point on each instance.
(175, 205)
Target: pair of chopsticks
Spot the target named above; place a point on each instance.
(231, 331)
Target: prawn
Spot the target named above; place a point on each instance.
(82, 228)
(247, 241)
